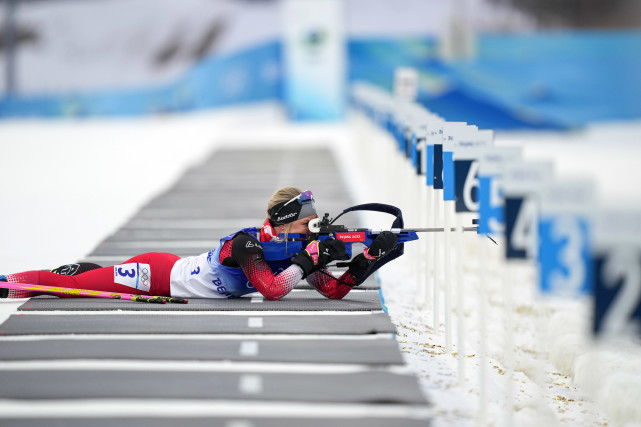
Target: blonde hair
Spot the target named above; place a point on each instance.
(282, 195)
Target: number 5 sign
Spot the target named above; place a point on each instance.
(617, 273)
(490, 193)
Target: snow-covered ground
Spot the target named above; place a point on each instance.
(63, 186)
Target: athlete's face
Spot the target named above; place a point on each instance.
(298, 227)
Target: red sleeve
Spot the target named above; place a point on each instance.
(244, 251)
(325, 283)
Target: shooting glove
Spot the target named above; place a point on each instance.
(384, 243)
(360, 266)
(320, 253)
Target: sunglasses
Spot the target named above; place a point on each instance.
(303, 198)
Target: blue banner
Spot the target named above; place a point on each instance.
(252, 75)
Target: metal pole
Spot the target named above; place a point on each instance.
(9, 46)
(433, 229)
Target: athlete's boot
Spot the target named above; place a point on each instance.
(75, 269)
(3, 292)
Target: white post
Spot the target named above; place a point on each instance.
(483, 399)
(429, 254)
(392, 187)
(437, 263)
(420, 253)
(460, 302)
(447, 275)
(507, 279)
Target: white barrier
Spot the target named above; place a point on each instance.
(464, 178)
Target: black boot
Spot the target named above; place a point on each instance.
(4, 293)
(75, 269)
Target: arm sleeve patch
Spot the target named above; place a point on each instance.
(247, 252)
(243, 246)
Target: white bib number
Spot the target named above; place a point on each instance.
(134, 275)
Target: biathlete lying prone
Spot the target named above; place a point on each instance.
(237, 267)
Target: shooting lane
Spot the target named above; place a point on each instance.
(304, 360)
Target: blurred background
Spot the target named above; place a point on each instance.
(499, 64)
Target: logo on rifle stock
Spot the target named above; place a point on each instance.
(351, 237)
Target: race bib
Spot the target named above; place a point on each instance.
(134, 275)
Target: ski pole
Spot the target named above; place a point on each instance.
(92, 293)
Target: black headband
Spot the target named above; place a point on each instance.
(294, 209)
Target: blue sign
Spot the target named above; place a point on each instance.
(420, 167)
(521, 227)
(490, 206)
(413, 151)
(448, 176)
(512, 209)
(564, 261)
(438, 166)
(387, 123)
(401, 140)
(429, 167)
(466, 185)
(617, 292)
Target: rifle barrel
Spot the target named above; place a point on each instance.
(432, 230)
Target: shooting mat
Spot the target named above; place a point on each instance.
(226, 192)
(370, 351)
(196, 324)
(304, 300)
(361, 387)
(272, 421)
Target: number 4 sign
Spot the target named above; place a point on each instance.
(617, 273)
(522, 182)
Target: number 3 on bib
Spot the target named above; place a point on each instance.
(134, 275)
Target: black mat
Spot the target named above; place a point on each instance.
(362, 387)
(374, 351)
(196, 324)
(304, 300)
(213, 422)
